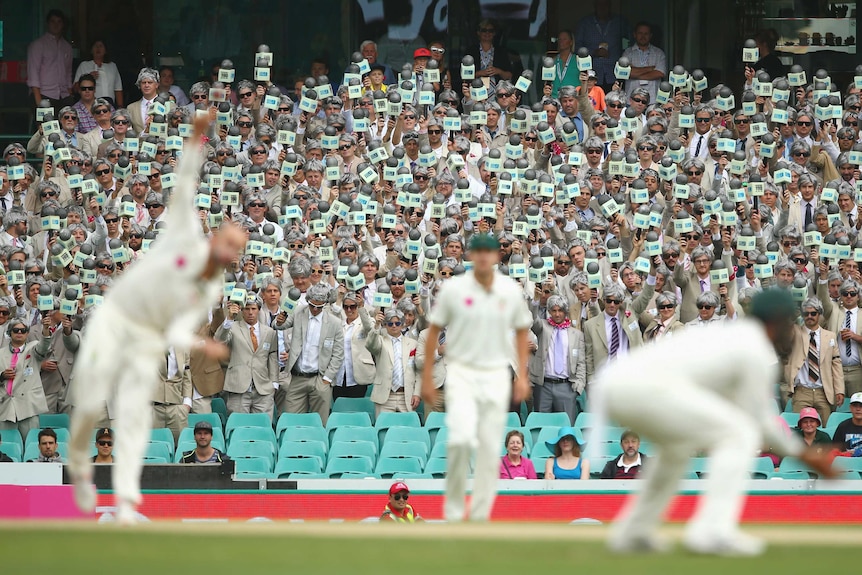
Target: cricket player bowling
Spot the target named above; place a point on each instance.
(487, 322)
(158, 302)
(709, 389)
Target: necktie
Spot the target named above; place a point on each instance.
(560, 367)
(615, 338)
(397, 368)
(4, 203)
(813, 360)
(848, 344)
(15, 353)
(809, 216)
(697, 149)
(740, 145)
(702, 286)
(139, 214)
(253, 337)
(146, 109)
(849, 218)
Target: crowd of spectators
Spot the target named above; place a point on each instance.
(631, 200)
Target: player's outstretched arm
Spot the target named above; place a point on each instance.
(181, 217)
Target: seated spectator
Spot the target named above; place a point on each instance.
(630, 462)
(204, 452)
(848, 434)
(513, 465)
(809, 421)
(567, 462)
(398, 510)
(104, 446)
(48, 448)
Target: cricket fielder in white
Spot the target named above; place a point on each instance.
(709, 389)
(487, 324)
(157, 303)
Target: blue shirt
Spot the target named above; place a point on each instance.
(591, 33)
(560, 473)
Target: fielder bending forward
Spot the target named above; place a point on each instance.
(686, 401)
(159, 302)
(486, 322)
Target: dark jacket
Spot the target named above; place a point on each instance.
(189, 457)
(610, 469)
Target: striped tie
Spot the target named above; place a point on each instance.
(848, 343)
(813, 360)
(615, 338)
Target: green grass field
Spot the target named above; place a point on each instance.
(252, 549)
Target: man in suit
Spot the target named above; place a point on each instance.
(616, 331)
(358, 370)
(395, 388)
(148, 82)
(56, 370)
(697, 280)
(558, 368)
(844, 321)
(252, 373)
(315, 356)
(22, 397)
(207, 373)
(582, 308)
(813, 369)
(439, 370)
(172, 399)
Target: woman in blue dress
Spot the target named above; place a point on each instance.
(567, 462)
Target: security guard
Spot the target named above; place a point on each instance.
(398, 509)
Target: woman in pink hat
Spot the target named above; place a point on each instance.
(809, 421)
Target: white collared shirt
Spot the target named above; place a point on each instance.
(346, 371)
(309, 358)
(397, 360)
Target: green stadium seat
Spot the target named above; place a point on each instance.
(792, 419)
(789, 407)
(844, 407)
(597, 464)
(33, 435)
(286, 420)
(348, 434)
(289, 465)
(11, 436)
(238, 449)
(13, 450)
(847, 474)
(213, 418)
(762, 468)
(537, 421)
(303, 449)
(32, 451)
(389, 467)
(513, 419)
(699, 465)
(158, 449)
(237, 420)
(402, 434)
(340, 465)
(848, 463)
(545, 434)
(791, 475)
(583, 402)
(54, 420)
(388, 420)
(690, 475)
(354, 405)
(522, 412)
(187, 436)
(163, 435)
(218, 406)
(155, 460)
(358, 475)
(414, 449)
(438, 451)
(793, 464)
(354, 449)
(834, 420)
(441, 436)
(435, 420)
(352, 419)
(306, 434)
(253, 434)
(436, 467)
(303, 475)
(540, 450)
(255, 465)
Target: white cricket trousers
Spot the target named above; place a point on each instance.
(680, 418)
(477, 401)
(118, 363)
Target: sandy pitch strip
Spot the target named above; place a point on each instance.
(779, 534)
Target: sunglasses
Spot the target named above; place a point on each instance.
(223, 153)
(317, 271)
(798, 123)
(258, 152)
(120, 122)
(102, 172)
(245, 124)
(703, 120)
(801, 154)
(15, 153)
(349, 307)
(257, 205)
(742, 121)
(284, 109)
(594, 151)
(154, 176)
(245, 94)
(639, 100)
(345, 147)
(704, 306)
(4, 312)
(105, 266)
(646, 149)
(810, 314)
(611, 301)
(616, 106)
(300, 197)
(105, 443)
(410, 117)
(438, 50)
(136, 236)
(849, 293)
(435, 131)
(20, 329)
(564, 262)
(420, 177)
(151, 206)
(666, 306)
(112, 220)
(799, 260)
(199, 97)
(695, 173)
(394, 324)
(442, 274)
(350, 249)
(87, 88)
(399, 497)
(600, 123)
(316, 305)
(530, 139)
(789, 244)
(396, 283)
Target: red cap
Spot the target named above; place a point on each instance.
(398, 487)
(422, 53)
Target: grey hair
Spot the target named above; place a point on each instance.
(13, 218)
(849, 285)
(708, 298)
(366, 257)
(395, 274)
(557, 301)
(393, 313)
(813, 303)
(147, 74)
(666, 297)
(256, 301)
(299, 268)
(579, 278)
(271, 281)
(615, 291)
(317, 292)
